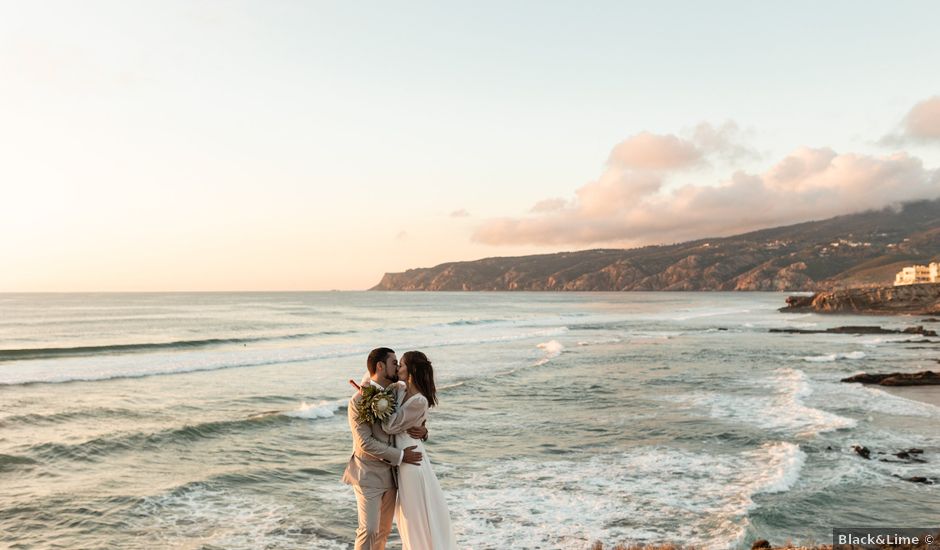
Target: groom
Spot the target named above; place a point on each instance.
(372, 468)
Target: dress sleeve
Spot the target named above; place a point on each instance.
(411, 415)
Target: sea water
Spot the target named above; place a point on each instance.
(218, 420)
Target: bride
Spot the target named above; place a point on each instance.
(422, 516)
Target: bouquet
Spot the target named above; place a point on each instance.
(376, 404)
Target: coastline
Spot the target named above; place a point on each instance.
(924, 394)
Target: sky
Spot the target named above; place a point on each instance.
(217, 146)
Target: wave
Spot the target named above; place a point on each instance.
(157, 365)
(67, 416)
(552, 349)
(9, 462)
(204, 512)
(472, 322)
(636, 336)
(693, 314)
(99, 448)
(600, 341)
(323, 409)
(835, 357)
(784, 409)
(647, 494)
(78, 351)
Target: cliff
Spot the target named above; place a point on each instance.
(864, 249)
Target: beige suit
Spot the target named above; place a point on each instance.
(372, 473)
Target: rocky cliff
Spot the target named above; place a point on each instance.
(909, 299)
(864, 249)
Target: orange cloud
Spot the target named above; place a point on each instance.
(654, 152)
(646, 151)
(923, 120)
(629, 207)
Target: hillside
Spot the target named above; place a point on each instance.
(864, 249)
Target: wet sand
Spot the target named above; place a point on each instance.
(926, 394)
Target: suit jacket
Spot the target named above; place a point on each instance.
(374, 458)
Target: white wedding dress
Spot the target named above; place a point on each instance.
(421, 512)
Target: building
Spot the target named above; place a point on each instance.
(918, 274)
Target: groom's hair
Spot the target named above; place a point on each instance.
(376, 356)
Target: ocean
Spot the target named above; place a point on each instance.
(218, 420)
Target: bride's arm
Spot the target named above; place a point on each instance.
(409, 416)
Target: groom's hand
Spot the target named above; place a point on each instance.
(411, 456)
(418, 432)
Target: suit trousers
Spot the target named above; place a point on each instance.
(376, 511)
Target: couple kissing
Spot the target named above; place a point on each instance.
(389, 468)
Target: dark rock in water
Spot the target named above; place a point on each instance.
(796, 302)
(921, 341)
(915, 451)
(760, 543)
(864, 329)
(906, 456)
(865, 378)
(919, 329)
(925, 378)
(930, 320)
(862, 452)
(916, 479)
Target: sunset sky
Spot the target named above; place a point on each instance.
(200, 145)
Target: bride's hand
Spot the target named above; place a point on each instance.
(418, 432)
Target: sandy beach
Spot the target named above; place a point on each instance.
(926, 394)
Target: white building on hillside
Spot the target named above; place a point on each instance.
(918, 274)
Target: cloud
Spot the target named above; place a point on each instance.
(459, 214)
(646, 151)
(921, 124)
(722, 141)
(549, 205)
(923, 120)
(629, 207)
(668, 152)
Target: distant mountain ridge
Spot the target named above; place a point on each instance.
(864, 249)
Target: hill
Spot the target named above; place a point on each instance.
(863, 249)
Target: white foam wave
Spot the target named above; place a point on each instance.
(649, 494)
(198, 516)
(323, 409)
(830, 357)
(784, 463)
(782, 409)
(599, 341)
(552, 349)
(654, 335)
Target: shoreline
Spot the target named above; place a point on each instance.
(924, 394)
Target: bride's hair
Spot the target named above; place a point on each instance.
(422, 373)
